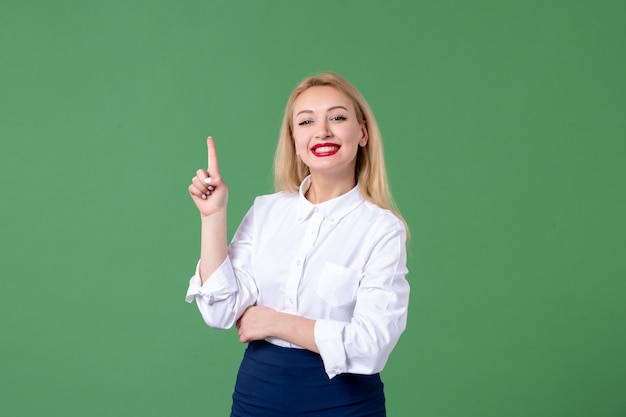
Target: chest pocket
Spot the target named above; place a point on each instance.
(338, 284)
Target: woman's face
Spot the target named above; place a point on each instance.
(326, 131)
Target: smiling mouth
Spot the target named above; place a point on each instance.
(325, 149)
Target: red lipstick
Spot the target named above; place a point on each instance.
(325, 149)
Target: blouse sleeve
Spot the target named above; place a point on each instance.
(363, 345)
(230, 289)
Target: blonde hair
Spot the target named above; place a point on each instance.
(370, 172)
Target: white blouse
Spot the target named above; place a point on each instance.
(341, 263)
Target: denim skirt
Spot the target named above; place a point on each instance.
(275, 381)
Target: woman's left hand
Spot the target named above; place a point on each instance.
(255, 323)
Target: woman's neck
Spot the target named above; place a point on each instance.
(326, 188)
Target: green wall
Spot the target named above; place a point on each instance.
(505, 129)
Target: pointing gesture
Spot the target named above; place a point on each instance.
(208, 191)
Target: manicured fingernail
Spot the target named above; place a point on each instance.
(211, 188)
(204, 196)
(207, 180)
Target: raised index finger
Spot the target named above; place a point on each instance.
(212, 166)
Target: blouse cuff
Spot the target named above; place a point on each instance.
(329, 341)
(217, 287)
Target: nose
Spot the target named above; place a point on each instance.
(323, 130)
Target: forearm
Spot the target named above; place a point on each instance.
(213, 246)
(295, 329)
(258, 323)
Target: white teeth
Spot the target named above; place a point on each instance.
(323, 149)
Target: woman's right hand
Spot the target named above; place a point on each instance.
(210, 196)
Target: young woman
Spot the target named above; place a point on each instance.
(314, 278)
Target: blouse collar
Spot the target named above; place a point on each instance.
(332, 210)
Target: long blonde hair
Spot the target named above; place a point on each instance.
(370, 172)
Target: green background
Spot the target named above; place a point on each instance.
(504, 125)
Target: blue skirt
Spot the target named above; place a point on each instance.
(275, 381)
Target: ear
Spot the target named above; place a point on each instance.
(364, 135)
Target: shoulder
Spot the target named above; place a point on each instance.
(379, 224)
(275, 203)
(381, 217)
(281, 197)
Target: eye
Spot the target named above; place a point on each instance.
(305, 122)
(338, 118)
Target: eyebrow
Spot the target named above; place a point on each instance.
(327, 110)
